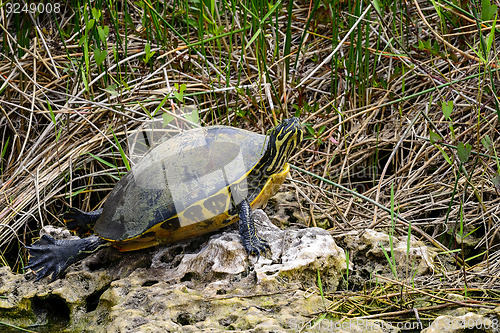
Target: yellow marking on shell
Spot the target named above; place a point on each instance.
(192, 229)
(206, 214)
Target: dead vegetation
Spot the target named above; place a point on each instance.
(373, 89)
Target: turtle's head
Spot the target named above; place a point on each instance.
(283, 140)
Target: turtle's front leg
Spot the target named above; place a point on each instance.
(81, 221)
(49, 256)
(251, 241)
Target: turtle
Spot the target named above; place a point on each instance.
(194, 183)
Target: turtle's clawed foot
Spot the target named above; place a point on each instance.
(45, 258)
(258, 246)
(252, 243)
(49, 256)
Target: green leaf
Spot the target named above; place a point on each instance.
(99, 56)
(487, 10)
(425, 45)
(52, 115)
(90, 24)
(4, 150)
(317, 321)
(122, 152)
(486, 141)
(438, 9)
(241, 113)
(86, 55)
(253, 38)
(111, 89)
(190, 21)
(377, 6)
(179, 96)
(145, 110)
(446, 157)
(179, 91)
(310, 129)
(271, 10)
(149, 54)
(491, 37)
(435, 48)
(103, 161)
(320, 285)
(159, 107)
(193, 116)
(463, 151)
(434, 137)
(82, 40)
(393, 269)
(103, 33)
(128, 19)
(58, 134)
(167, 118)
(452, 130)
(447, 109)
(496, 181)
(321, 130)
(84, 79)
(480, 55)
(212, 7)
(96, 13)
(75, 193)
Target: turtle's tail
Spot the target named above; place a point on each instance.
(81, 221)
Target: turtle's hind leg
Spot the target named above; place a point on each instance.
(81, 221)
(49, 256)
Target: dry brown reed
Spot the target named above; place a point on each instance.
(368, 132)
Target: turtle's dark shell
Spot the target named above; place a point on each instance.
(187, 186)
(194, 183)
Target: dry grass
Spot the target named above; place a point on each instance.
(371, 100)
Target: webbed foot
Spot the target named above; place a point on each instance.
(49, 256)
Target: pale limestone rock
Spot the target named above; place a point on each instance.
(205, 284)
